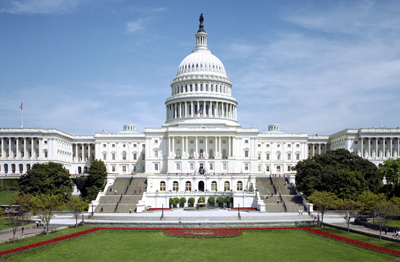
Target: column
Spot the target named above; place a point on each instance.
(234, 143)
(196, 149)
(180, 109)
(229, 146)
(313, 150)
(369, 147)
(222, 110)
(9, 146)
(166, 112)
(398, 149)
(362, 147)
(173, 146)
(206, 148)
(40, 148)
(2, 147)
(376, 148)
(83, 152)
(383, 146)
(192, 113)
(219, 146)
(32, 145)
(204, 108)
(391, 148)
(25, 148)
(17, 147)
(89, 151)
(169, 146)
(197, 106)
(175, 110)
(187, 146)
(186, 111)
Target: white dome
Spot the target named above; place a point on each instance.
(201, 61)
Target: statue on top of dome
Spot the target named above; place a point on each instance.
(201, 26)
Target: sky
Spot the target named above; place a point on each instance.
(84, 66)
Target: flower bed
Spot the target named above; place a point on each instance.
(203, 233)
(206, 233)
(245, 208)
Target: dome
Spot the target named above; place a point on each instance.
(201, 61)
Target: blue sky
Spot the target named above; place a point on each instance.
(83, 66)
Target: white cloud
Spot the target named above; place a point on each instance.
(38, 6)
(134, 26)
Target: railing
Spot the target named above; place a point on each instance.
(283, 202)
(117, 203)
(272, 183)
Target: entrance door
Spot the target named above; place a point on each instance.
(201, 186)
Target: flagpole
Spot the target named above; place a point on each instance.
(22, 119)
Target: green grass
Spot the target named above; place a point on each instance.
(392, 223)
(154, 246)
(4, 223)
(5, 197)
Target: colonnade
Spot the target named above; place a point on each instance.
(197, 88)
(317, 148)
(189, 109)
(377, 147)
(17, 148)
(82, 152)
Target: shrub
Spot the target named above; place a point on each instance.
(220, 200)
(176, 199)
(171, 201)
(201, 199)
(191, 201)
(182, 201)
(211, 200)
(227, 200)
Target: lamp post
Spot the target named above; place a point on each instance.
(162, 212)
(239, 212)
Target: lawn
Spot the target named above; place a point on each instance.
(5, 197)
(290, 245)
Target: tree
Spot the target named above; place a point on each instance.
(220, 201)
(323, 201)
(201, 200)
(176, 200)
(182, 200)
(385, 210)
(24, 203)
(349, 208)
(391, 171)
(211, 200)
(171, 202)
(227, 200)
(49, 178)
(191, 201)
(96, 179)
(370, 200)
(338, 171)
(46, 205)
(78, 205)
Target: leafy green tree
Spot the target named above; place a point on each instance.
(49, 178)
(24, 203)
(182, 200)
(385, 209)
(77, 204)
(220, 201)
(201, 199)
(370, 200)
(177, 201)
(227, 200)
(191, 201)
(46, 205)
(171, 202)
(391, 171)
(211, 200)
(96, 179)
(338, 171)
(349, 208)
(323, 201)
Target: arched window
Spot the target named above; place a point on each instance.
(214, 186)
(226, 186)
(162, 186)
(175, 186)
(188, 186)
(239, 186)
(124, 155)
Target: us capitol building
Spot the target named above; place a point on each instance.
(201, 147)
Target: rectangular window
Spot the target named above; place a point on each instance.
(134, 168)
(259, 145)
(297, 145)
(267, 156)
(134, 145)
(246, 167)
(259, 168)
(191, 166)
(134, 156)
(113, 145)
(123, 157)
(113, 168)
(123, 168)
(178, 166)
(104, 156)
(191, 141)
(223, 141)
(201, 141)
(297, 156)
(259, 156)
(278, 169)
(289, 156)
(267, 168)
(246, 153)
(113, 156)
(143, 145)
(211, 166)
(178, 141)
(224, 166)
(211, 141)
(156, 153)
(289, 168)
(156, 167)
(104, 145)
(246, 141)
(267, 145)
(289, 145)
(156, 141)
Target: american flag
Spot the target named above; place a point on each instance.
(21, 107)
(200, 110)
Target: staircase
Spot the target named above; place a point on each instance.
(288, 200)
(125, 197)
